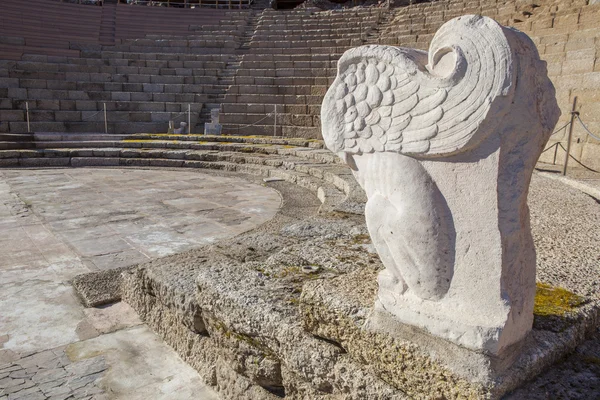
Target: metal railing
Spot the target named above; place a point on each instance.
(93, 118)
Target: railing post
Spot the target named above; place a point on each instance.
(275, 121)
(573, 114)
(27, 108)
(105, 120)
(189, 119)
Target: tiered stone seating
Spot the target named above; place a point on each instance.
(144, 83)
(137, 21)
(46, 27)
(289, 65)
(299, 161)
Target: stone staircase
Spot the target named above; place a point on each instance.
(289, 64)
(227, 74)
(108, 23)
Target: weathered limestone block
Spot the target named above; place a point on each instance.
(444, 144)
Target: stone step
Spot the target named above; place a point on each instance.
(317, 90)
(312, 36)
(91, 65)
(217, 47)
(181, 41)
(96, 93)
(58, 71)
(243, 108)
(288, 72)
(285, 131)
(41, 81)
(158, 115)
(115, 101)
(131, 55)
(273, 99)
(16, 137)
(310, 26)
(16, 145)
(44, 80)
(301, 50)
(284, 119)
(312, 21)
(284, 81)
(259, 45)
(292, 32)
(115, 127)
(292, 57)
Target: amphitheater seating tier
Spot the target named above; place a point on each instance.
(566, 34)
(302, 162)
(290, 62)
(143, 81)
(247, 62)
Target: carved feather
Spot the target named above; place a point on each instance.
(423, 104)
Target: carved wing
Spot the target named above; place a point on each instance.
(408, 101)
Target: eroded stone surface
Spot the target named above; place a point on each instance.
(254, 325)
(444, 144)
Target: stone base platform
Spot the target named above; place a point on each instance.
(286, 311)
(424, 366)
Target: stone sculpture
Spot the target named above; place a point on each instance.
(444, 144)
(183, 129)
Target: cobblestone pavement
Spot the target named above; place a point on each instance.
(50, 374)
(59, 223)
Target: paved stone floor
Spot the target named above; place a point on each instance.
(59, 223)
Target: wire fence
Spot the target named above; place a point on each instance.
(109, 117)
(568, 156)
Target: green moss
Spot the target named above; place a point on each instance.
(289, 270)
(555, 301)
(361, 239)
(294, 301)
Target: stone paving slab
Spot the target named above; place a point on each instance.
(56, 224)
(114, 217)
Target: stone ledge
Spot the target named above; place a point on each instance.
(282, 312)
(341, 310)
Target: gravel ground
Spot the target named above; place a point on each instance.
(566, 229)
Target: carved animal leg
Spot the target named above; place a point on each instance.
(378, 209)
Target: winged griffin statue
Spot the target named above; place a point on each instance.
(444, 144)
